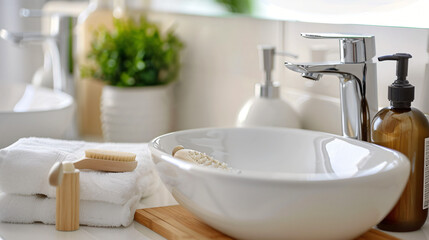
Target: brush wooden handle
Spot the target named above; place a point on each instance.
(67, 203)
(105, 165)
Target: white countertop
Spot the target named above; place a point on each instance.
(135, 231)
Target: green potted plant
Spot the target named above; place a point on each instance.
(137, 62)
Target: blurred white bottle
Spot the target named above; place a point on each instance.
(267, 108)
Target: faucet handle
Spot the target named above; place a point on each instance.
(60, 22)
(355, 48)
(36, 13)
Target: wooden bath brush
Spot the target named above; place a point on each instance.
(107, 161)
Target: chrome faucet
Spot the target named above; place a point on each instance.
(57, 45)
(358, 80)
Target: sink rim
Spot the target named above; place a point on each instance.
(67, 101)
(279, 177)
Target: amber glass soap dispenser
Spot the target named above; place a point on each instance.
(405, 129)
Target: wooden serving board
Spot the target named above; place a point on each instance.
(177, 223)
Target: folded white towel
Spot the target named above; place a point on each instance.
(30, 209)
(24, 168)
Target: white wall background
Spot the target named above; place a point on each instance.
(220, 61)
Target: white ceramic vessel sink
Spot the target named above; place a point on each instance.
(292, 184)
(27, 111)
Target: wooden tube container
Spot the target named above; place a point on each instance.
(67, 203)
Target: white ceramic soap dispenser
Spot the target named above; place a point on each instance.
(267, 108)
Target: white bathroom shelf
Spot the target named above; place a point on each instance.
(392, 13)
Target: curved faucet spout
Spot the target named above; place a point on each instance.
(357, 106)
(335, 68)
(20, 37)
(357, 74)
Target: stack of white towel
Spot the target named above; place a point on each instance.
(107, 199)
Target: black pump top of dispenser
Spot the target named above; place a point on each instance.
(401, 92)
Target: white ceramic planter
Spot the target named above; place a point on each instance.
(135, 114)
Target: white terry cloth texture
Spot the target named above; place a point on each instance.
(30, 209)
(25, 165)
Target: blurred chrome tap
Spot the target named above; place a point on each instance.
(57, 44)
(358, 80)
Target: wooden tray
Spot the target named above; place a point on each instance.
(177, 223)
